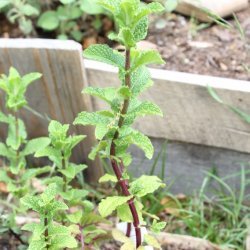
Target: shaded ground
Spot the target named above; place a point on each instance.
(214, 51)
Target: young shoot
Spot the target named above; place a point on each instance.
(113, 127)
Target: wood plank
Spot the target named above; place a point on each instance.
(221, 8)
(190, 114)
(58, 94)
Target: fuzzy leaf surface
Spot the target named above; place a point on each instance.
(145, 185)
(36, 144)
(108, 205)
(104, 53)
(143, 58)
(86, 118)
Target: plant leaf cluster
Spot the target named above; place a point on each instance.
(113, 127)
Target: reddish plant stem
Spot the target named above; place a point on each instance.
(119, 169)
(81, 237)
(46, 232)
(128, 232)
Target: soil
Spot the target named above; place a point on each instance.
(214, 51)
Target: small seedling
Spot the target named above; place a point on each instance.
(113, 127)
(14, 172)
(20, 11)
(17, 147)
(47, 234)
(82, 215)
(64, 20)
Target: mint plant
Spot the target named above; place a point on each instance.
(47, 234)
(14, 172)
(17, 147)
(113, 127)
(59, 152)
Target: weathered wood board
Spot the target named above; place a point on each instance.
(58, 94)
(190, 114)
(221, 8)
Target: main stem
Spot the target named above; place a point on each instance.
(17, 135)
(118, 169)
(65, 183)
(46, 232)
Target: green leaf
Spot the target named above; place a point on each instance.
(74, 195)
(126, 37)
(30, 227)
(99, 147)
(35, 145)
(140, 80)
(4, 3)
(25, 26)
(58, 131)
(49, 194)
(100, 131)
(108, 205)
(155, 7)
(152, 241)
(29, 78)
(49, 152)
(157, 227)
(110, 5)
(31, 202)
(106, 94)
(105, 54)
(141, 30)
(29, 10)
(107, 178)
(61, 238)
(119, 236)
(86, 118)
(91, 7)
(170, 5)
(72, 170)
(67, 1)
(14, 141)
(147, 108)
(75, 217)
(55, 206)
(37, 245)
(145, 185)
(148, 9)
(138, 139)
(4, 118)
(48, 21)
(4, 151)
(32, 172)
(88, 206)
(141, 58)
(144, 143)
(124, 91)
(124, 213)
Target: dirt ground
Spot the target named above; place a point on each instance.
(214, 50)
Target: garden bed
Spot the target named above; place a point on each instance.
(191, 46)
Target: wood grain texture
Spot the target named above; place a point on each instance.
(58, 94)
(190, 113)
